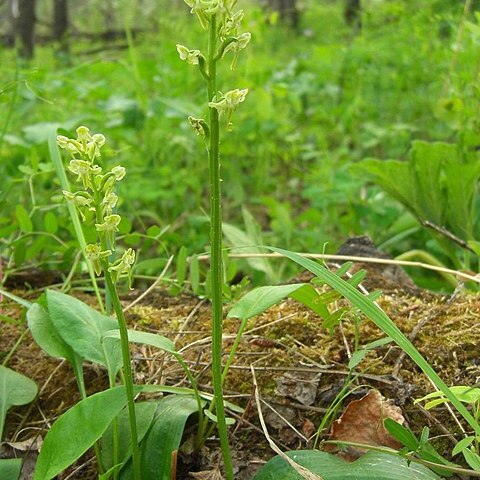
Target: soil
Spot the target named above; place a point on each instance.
(299, 365)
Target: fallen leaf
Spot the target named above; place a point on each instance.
(362, 422)
(208, 475)
(301, 387)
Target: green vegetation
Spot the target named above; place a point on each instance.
(319, 101)
(370, 130)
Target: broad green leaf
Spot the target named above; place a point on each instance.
(47, 337)
(23, 219)
(258, 300)
(239, 240)
(10, 468)
(372, 465)
(82, 328)
(163, 438)
(461, 189)
(15, 389)
(378, 316)
(426, 164)
(144, 412)
(74, 432)
(153, 339)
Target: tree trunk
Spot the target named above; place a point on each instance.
(60, 24)
(23, 12)
(352, 13)
(288, 10)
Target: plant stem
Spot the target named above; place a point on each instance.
(216, 270)
(127, 370)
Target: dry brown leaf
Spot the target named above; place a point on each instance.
(362, 422)
(208, 475)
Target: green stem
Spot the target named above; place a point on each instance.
(216, 270)
(127, 370)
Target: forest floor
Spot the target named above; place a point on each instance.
(299, 366)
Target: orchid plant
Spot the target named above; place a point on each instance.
(222, 21)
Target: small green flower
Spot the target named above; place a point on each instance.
(82, 169)
(231, 25)
(239, 44)
(109, 202)
(93, 146)
(199, 125)
(109, 226)
(229, 103)
(191, 56)
(78, 200)
(119, 172)
(72, 146)
(123, 265)
(94, 253)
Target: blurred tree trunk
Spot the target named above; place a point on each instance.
(352, 13)
(60, 25)
(23, 12)
(288, 10)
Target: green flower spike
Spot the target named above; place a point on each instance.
(124, 265)
(94, 253)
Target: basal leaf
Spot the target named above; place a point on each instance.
(372, 465)
(82, 327)
(15, 389)
(74, 432)
(10, 468)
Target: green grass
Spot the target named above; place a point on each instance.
(318, 101)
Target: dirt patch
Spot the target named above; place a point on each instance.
(300, 367)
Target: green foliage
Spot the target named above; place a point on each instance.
(376, 465)
(15, 389)
(438, 184)
(77, 430)
(320, 100)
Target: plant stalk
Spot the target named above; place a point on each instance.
(216, 269)
(127, 370)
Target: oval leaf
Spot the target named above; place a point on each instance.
(77, 430)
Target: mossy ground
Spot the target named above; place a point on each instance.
(287, 341)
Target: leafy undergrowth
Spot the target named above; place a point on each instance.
(299, 367)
